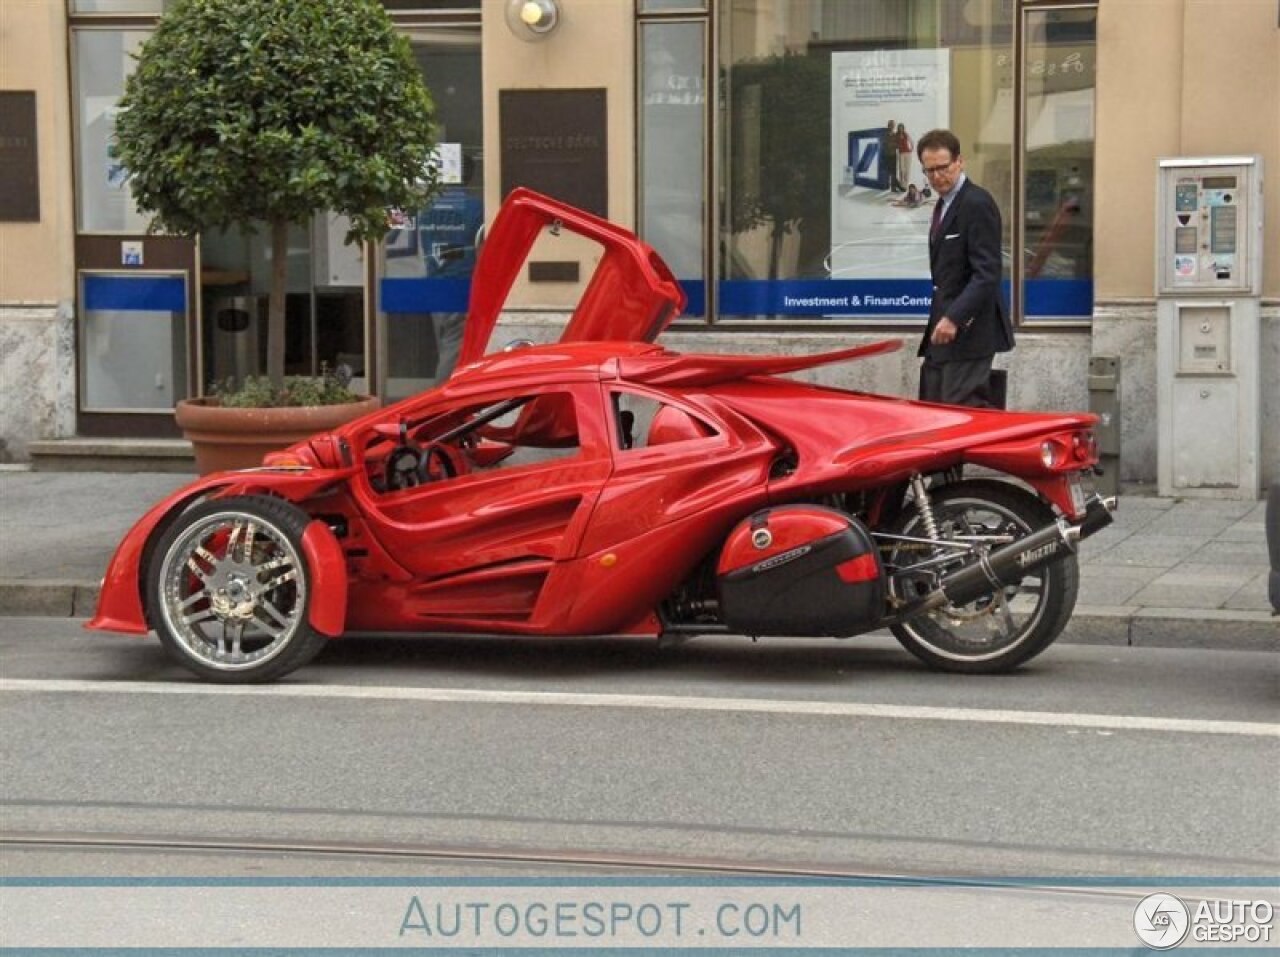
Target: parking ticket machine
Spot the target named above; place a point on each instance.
(1208, 302)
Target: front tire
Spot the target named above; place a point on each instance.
(997, 632)
(228, 589)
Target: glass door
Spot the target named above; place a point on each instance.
(135, 292)
(133, 333)
(325, 326)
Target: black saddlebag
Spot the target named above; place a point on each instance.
(800, 570)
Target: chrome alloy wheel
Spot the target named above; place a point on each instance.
(231, 590)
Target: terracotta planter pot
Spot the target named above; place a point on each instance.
(238, 438)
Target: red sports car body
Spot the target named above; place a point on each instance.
(605, 485)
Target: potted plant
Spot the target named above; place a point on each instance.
(241, 421)
(244, 111)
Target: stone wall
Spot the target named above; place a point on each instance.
(37, 376)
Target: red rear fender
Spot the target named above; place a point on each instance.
(1045, 461)
(1045, 453)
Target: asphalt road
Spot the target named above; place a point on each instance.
(510, 756)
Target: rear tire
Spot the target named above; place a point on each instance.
(229, 590)
(989, 635)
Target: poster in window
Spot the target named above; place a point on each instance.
(882, 101)
(105, 194)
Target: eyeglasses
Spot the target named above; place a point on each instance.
(936, 170)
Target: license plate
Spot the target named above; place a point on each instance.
(1075, 482)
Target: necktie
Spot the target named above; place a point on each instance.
(937, 219)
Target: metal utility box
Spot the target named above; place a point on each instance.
(1209, 219)
(1104, 402)
(1204, 339)
(1208, 325)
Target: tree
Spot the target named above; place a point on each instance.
(262, 110)
(785, 100)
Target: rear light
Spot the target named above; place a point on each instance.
(1084, 446)
(864, 568)
(1048, 454)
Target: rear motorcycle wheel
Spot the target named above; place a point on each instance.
(997, 632)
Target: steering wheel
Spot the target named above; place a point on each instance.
(438, 452)
(402, 467)
(409, 465)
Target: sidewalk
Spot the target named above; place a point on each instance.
(1168, 573)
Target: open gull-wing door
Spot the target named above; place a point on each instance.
(632, 294)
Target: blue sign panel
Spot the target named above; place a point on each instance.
(695, 291)
(1059, 298)
(855, 298)
(882, 298)
(422, 295)
(783, 298)
(133, 293)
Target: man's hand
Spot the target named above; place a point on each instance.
(944, 332)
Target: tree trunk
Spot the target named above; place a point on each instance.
(776, 235)
(275, 304)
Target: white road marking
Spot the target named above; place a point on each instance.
(559, 699)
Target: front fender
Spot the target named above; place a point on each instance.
(120, 600)
(120, 606)
(327, 610)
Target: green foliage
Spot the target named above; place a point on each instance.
(243, 110)
(258, 392)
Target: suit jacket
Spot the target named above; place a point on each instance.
(964, 258)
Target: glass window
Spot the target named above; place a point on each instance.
(643, 422)
(673, 157)
(103, 61)
(133, 343)
(826, 211)
(434, 6)
(672, 6)
(427, 259)
(121, 6)
(324, 302)
(486, 437)
(1059, 79)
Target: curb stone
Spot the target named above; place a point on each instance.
(42, 598)
(1120, 626)
(1140, 627)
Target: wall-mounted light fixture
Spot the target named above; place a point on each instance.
(533, 20)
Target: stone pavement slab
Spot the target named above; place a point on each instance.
(64, 526)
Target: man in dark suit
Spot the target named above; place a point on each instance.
(968, 321)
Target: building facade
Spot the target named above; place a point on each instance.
(764, 147)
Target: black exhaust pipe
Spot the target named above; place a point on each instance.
(1006, 565)
(1097, 515)
(1010, 563)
